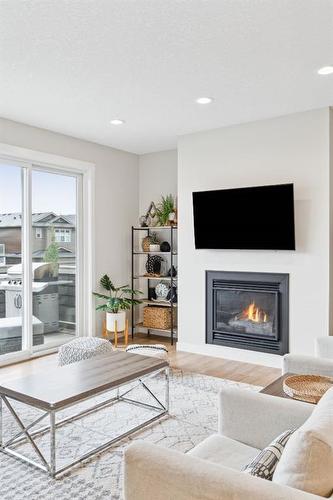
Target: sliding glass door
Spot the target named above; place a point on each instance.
(39, 257)
(54, 263)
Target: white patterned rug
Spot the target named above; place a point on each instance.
(193, 417)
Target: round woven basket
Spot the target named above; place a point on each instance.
(309, 388)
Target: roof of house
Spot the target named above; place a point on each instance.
(38, 219)
(10, 220)
(63, 252)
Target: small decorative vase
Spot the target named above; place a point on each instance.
(153, 264)
(172, 218)
(145, 243)
(174, 272)
(143, 221)
(172, 294)
(154, 221)
(151, 293)
(112, 318)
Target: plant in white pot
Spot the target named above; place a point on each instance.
(154, 243)
(116, 302)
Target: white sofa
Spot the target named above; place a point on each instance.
(248, 422)
(322, 364)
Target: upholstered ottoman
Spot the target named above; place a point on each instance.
(82, 348)
(156, 350)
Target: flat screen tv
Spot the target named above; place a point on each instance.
(251, 218)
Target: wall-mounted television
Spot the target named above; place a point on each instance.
(251, 218)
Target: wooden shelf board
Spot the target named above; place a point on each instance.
(154, 227)
(158, 253)
(140, 325)
(159, 334)
(154, 278)
(157, 303)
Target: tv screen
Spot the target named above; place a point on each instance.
(253, 218)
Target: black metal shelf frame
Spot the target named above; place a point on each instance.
(172, 254)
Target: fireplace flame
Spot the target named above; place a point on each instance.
(254, 313)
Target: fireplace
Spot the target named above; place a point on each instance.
(248, 310)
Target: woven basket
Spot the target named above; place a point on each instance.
(158, 317)
(309, 388)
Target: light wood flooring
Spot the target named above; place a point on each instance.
(207, 365)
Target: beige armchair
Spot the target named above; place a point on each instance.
(248, 421)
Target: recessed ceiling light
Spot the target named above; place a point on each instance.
(204, 100)
(117, 122)
(325, 70)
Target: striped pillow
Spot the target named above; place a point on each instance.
(264, 464)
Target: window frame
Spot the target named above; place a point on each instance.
(30, 160)
(3, 254)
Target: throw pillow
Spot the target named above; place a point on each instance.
(307, 462)
(264, 464)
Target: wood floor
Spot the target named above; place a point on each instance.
(207, 365)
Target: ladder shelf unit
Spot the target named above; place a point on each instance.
(136, 276)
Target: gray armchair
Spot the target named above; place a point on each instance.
(321, 364)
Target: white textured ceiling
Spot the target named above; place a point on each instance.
(72, 65)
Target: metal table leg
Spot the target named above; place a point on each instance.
(52, 444)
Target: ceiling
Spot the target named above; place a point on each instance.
(73, 65)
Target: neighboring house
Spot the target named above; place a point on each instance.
(45, 225)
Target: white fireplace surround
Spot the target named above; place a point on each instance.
(295, 148)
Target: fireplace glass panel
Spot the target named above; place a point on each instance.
(245, 312)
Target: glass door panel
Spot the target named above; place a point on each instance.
(54, 258)
(11, 272)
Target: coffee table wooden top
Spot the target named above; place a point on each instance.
(276, 388)
(66, 385)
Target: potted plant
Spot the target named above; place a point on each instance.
(152, 239)
(116, 302)
(165, 208)
(154, 243)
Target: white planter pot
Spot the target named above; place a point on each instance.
(111, 319)
(154, 248)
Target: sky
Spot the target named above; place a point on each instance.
(50, 192)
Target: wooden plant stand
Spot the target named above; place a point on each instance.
(106, 334)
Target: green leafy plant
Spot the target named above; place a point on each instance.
(165, 208)
(153, 239)
(52, 253)
(117, 298)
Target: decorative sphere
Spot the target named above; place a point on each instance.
(162, 290)
(165, 246)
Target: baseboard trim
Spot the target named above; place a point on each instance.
(258, 358)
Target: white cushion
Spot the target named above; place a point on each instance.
(225, 451)
(307, 461)
(154, 350)
(82, 348)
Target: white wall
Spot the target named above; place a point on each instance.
(158, 176)
(293, 148)
(116, 192)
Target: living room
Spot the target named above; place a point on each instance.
(166, 249)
